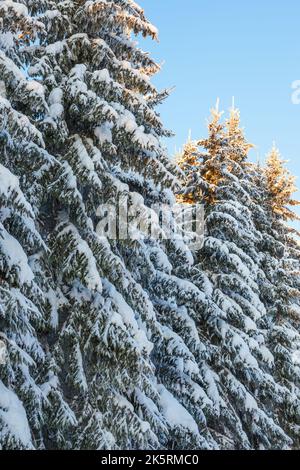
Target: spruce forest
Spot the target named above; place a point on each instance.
(137, 342)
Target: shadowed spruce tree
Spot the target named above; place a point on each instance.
(188, 161)
(120, 337)
(250, 393)
(21, 398)
(25, 169)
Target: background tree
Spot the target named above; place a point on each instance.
(230, 258)
(280, 186)
(279, 281)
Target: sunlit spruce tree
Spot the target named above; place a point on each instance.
(250, 393)
(280, 282)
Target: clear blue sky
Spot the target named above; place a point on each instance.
(224, 48)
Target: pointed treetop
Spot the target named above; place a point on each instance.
(234, 121)
(281, 185)
(189, 155)
(235, 132)
(215, 132)
(216, 114)
(276, 163)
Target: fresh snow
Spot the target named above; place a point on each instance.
(175, 413)
(13, 417)
(15, 257)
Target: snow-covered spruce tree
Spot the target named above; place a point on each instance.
(21, 398)
(25, 168)
(122, 336)
(280, 282)
(189, 162)
(248, 392)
